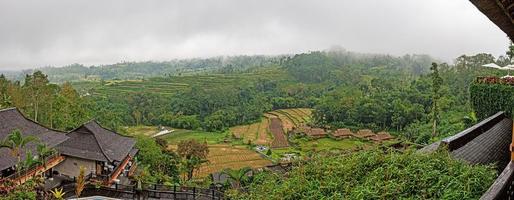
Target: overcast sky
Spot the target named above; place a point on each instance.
(51, 32)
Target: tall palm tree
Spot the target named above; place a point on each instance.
(16, 142)
(237, 176)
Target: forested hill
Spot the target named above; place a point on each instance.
(417, 64)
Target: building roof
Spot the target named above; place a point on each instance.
(381, 136)
(500, 12)
(316, 132)
(486, 142)
(342, 132)
(364, 133)
(92, 141)
(12, 119)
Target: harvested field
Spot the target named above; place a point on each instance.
(257, 132)
(264, 137)
(239, 131)
(280, 139)
(287, 124)
(224, 156)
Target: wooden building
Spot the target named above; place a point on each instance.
(105, 154)
(342, 133)
(364, 134)
(381, 136)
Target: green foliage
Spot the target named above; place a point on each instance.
(488, 99)
(375, 175)
(58, 193)
(162, 162)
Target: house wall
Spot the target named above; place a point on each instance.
(71, 165)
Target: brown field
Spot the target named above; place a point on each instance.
(287, 123)
(257, 132)
(239, 131)
(264, 137)
(280, 139)
(224, 156)
(260, 132)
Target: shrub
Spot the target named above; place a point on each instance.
(375, 175)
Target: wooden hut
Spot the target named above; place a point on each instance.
(381, 136)
(342, 133)
(316, 133)
(364, 134)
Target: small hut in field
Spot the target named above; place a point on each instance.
(316, 133)
(364, 134)
(381, 136)
(342, 133)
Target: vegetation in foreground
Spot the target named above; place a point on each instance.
(373, 174)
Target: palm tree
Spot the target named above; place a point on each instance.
(43, 152)
(16, 142)
(237, 176)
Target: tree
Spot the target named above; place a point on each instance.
(237, 176)
(193, 154)
(437, 81)
(16, 142)
(36, 87)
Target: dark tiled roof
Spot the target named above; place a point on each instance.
(92, 141)
(12, 119)
(82, 144)
(486, 142)
(492, 146)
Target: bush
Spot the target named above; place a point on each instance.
(375, 175)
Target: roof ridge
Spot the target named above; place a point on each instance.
(8, 109)
(31, 120)
(96, 140)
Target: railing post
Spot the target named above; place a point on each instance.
(174, 192)
(212, 194)
(116, 186)
(194, 192)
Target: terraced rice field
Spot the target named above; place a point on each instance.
(279, 137)
(260, 133)
(264, 137)
(257, 132)
(170, 85)
(225, 156)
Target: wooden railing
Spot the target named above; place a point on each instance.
(462, 138)
(154, 191)
(25, 174)
(502, 188)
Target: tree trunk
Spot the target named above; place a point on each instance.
(434, 128)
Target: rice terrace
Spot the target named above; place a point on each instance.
(251, 100)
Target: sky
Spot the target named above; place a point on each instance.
(60, 32)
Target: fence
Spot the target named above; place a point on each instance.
(502, 188)
(55, 157)
(154, 191)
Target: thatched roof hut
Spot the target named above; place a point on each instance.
(316, 132)
(381, 136)
(364, 133)
(342, 133)
(501, 12)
